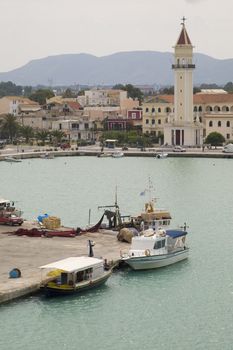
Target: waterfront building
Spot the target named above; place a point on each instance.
(214, 110)
(76, 129)
(156, 110)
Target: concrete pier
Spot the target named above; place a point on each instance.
(132, 152)
(28, 253)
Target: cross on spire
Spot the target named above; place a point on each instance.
(183, 19)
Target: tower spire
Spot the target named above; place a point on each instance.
(183, 37)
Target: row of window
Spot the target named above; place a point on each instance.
(153, 110)
(228, 123)
(195, 109)
(153, 121)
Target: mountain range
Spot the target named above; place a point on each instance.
(134, 67)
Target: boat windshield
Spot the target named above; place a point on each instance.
(159, 244)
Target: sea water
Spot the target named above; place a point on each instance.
(188, 305)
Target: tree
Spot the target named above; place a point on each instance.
(10, 89)
(27, 91)
(215, 139)
(41, 95)
(42, 135)
(57, 136)
(10, 127)
(167, 90)
(132, 91)
(27, 132)
(228, 87)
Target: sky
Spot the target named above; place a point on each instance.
(33, 29)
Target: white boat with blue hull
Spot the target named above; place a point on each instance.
(154, 249)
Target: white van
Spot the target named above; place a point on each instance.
(228, 148)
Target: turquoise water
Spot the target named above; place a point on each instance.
(185, 306)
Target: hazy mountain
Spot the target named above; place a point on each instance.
(136, 67)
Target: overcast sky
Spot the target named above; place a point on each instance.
(31, 29)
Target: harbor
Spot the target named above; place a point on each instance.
(32, 153)
(197, 288)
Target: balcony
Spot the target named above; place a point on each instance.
(181, 66)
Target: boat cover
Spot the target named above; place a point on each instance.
(73, 264)
(176, 233)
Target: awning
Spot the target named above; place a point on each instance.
(73, 264)
(176, 233)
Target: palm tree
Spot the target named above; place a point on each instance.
(57, 136)
(42, 135)
(27, 132)
(10, 127)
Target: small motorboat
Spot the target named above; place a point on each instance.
(12, 159)
(154, 249)
(75, 274)
(118, 154)
(161, 155)
(103, 155)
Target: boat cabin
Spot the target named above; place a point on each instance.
(157, 243)
(5, 204)
(74, 270)
(152, 218)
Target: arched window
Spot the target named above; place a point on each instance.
(200, 109)
(168, 110)
(153, 122)
(216, 108)
(195, 109)
(147, 121)
(219, 123)
(209, 109)
(225, 109)
(210, 123)
(228, 124)
(153, 110)
(159, 121)
(159, 110)
(147, 110)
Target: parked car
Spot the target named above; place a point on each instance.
(228, 148)
(65, 146)
(179, 149)
(11, 220)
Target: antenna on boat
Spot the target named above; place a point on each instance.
(116, 205)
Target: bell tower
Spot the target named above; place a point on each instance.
(181, 128)
(183, 70)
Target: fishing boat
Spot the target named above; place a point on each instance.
(75, 274)
(154, 249)
(156, 245)
(12, 159)
(118, 154)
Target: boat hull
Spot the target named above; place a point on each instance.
(156, 261)
(82, 287)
